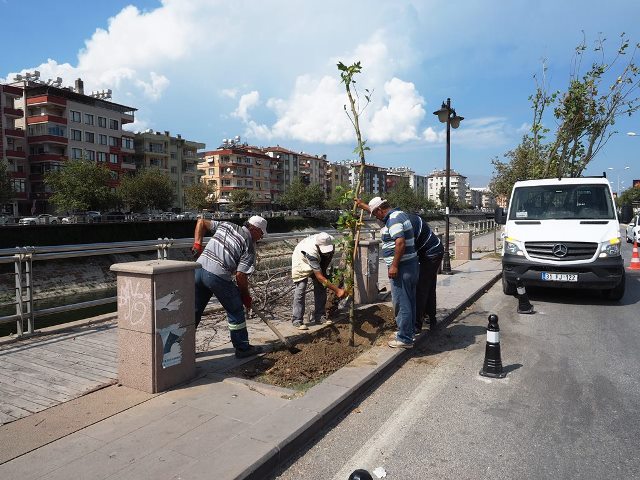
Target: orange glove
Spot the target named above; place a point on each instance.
(196, 250)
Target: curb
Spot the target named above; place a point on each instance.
(340, 399)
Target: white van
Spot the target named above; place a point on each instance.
(562, 232)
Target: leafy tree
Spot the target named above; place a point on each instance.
(294, 196)
(199, 196)
(148, 189)
(454, 202)
(241, 200)
(583, 114)
(80, 185)
(629, 196)
(314, 197)
(335, 200)
(401, 195)
(6, 189)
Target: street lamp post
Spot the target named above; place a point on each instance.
(618, 174)
(447, 115)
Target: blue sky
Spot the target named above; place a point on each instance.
(265, 70)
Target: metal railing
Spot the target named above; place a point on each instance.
(23, 257)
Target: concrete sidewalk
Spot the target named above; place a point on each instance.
(215, 427)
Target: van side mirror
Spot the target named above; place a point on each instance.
(500, 216)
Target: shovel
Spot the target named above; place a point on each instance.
(286, 342)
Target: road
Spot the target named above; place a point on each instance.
(567, 409)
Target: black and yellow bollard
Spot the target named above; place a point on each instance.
(492, 362)
(524, 305)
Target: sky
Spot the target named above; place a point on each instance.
(266, 70)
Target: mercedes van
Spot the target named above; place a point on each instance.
(562, 232)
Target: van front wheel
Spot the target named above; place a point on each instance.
(508, 288)
(616, 293)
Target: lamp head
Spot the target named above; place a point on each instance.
(455, 120)
(443, 113)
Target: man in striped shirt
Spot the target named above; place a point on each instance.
(398, 252)
(229, 254)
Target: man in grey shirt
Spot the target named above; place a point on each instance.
(229, 255)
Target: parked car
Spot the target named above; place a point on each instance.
(114, 216)
(633, 230)
(168, 216)
(42, 219)
(186, 216)
(6, 219)
(94, 217)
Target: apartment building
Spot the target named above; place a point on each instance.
(13, 148)
(60, 123)
(235, 166)
(437, 180)
(173, 155)
(481, 198)
(417, 182)
(375, 178)
(338, 174)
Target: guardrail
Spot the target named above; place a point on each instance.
(23, 257)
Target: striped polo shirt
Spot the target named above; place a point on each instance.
(230, 250)
(427, 243)
(397, 225)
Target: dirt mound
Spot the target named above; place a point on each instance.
(322, 352)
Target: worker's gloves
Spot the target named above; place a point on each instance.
(196, 250)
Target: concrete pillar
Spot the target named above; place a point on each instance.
(463, 245)
(366, 272)
(156, 331)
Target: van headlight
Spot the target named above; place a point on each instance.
(610, 248)
(512, 247)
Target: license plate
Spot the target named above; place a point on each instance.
(559, 277)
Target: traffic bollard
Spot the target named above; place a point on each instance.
(492, 366)
(524, 305)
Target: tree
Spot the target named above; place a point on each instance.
(401, 195)
(294, 196)
(148, 189)
(629, 197)
(584, 115)
(80, 185)
(199, 196)
(454, 202)
(6, 189)
(314, 197)
(241, 200)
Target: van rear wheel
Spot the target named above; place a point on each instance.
(508, 288)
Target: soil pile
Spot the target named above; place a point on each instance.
(323, 351)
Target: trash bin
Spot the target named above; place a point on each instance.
(366, 272)
(156, 323)
(463, 245)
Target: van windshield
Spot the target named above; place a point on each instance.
(546, 202)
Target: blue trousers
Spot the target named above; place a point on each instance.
(403, 298)
(228, 294)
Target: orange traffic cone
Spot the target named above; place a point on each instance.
(635, 260)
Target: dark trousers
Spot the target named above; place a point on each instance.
(426, 289)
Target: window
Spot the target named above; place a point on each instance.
(76, 116)
(18, 185)
(76, 135)
(127, 142)
(113, 124)
(102, 157)
(114, 175)
(226, 182)
(88, 119)
(89, 137)
(102, 139)
(113, 142)
(76, 153)
(102, 122)
(113, 157)
(90, 155)
(174, 169)
(212, 171)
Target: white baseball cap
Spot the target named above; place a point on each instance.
(258, 221)
(375, 203)
(324, 241)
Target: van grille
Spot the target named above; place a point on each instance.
(574, 250)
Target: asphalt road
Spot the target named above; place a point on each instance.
(568, 408)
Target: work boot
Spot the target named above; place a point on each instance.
(249, 352)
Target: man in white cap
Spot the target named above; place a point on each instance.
(229, 255)
(399, 253)
(311, 258)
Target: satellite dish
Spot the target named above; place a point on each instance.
(237, 138)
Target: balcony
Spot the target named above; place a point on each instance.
(12, 91)
(44, 157)
(14, 132)
(45, 119)
(49, 139)
(15, 154)
(126, 118)
(46, 99)
(13, 112)
(128, 165)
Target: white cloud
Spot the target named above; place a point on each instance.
(398, 119)
(229, 92)
(154, 88)
(246, 102)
